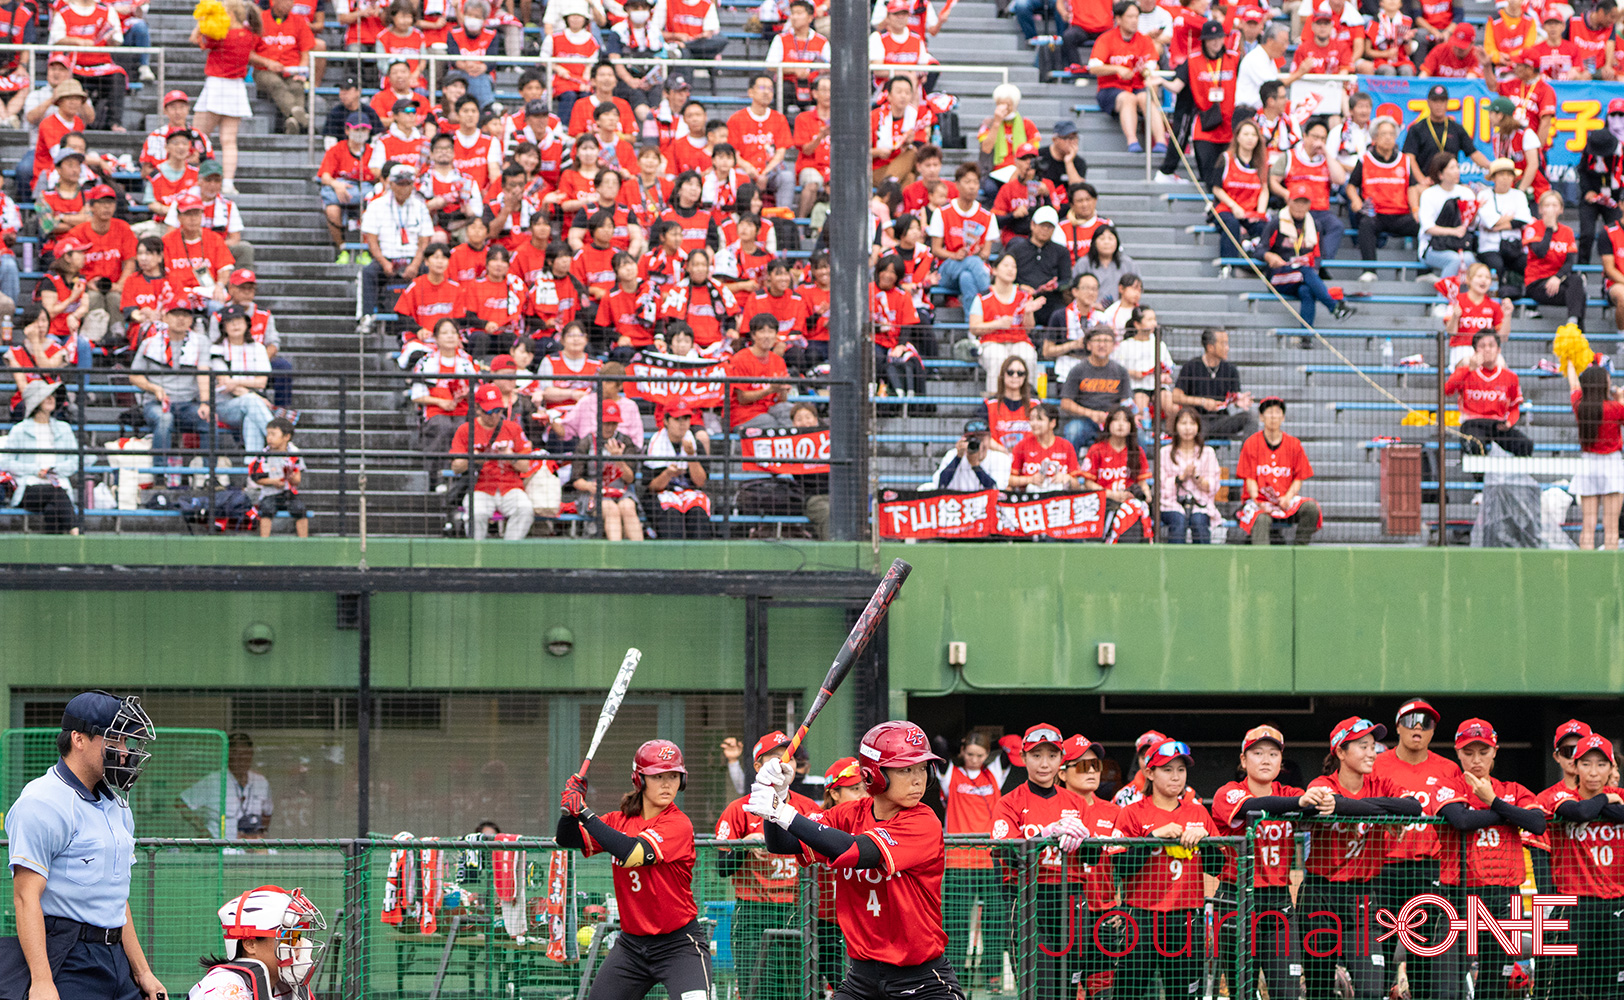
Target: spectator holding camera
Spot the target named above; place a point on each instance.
(1189, 477)
(499, 485)
(971, 465)
(248, 804)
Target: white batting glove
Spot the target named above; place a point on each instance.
(777, 775)
(763, 802)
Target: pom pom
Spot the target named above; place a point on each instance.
(212, 19)
(1570, 346)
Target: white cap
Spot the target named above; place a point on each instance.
(1046, 215)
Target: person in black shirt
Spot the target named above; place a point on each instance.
(349, 100)
(1042, 265)
(1211, 385)
(1438, 133)
(1058, 162)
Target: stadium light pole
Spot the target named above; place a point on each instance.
(849, 185)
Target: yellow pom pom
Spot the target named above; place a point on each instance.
(1570, 347)
(1418, 418)
(583, 937)
(212, 19)
(1178, 851)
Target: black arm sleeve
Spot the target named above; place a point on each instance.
(1613, 812)
(1377, 806)
(949, 471)
(615, 843)
(568, 833)
(1273, 804)
(1532, 820)
(1397, 805)
(1212, 861)
(832, 843)
(1581, 810)
(1127, 864)
(1567, 266)
(1463, 817)
(728, 862)
(987, 481)
(780, 841)
(1540, 248)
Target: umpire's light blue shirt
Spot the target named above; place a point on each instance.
(81, 840)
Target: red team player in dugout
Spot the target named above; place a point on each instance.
(887, 853)
(652, 842)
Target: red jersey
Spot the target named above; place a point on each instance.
(108, 251)
(627, 313)
(1099, 818)
(788, 309)
(583, 117)
(745, 364)
(183, 260)
(1493, 854)
(1585, 857)
(807, 126)
(228, 57)
(18, 357)
(709, 309)
(1591, 42)
(889, 311)
(1557, 62)
(1334, 56)
(554, 302)
(1389, 32)
(1316, 172)
(1135, 53)
(594, 268)
(471, 157)
(1486, 394)
(892, 914)
(1561, 245)
(468, 263)
(1274, 467)
(285, 41)
(1534, 100)
(688, 153)
(757, 139)
(340, 163)
(696, 227)
(580, 52)
(1212, 85)
(499, 302)
(1016, 195)
(1385, 185)
(1109, 467)
(1022, 814)
(993, 308)
(1030, 458)
(686, 18)
(773, 880)
(494, 477)
(1434, 782)
(1607, 436)
(1271, 855)
(1165, 882)
(970, 805)
(657, 897)
(963, 229)
(1475, 317)
(1348, 851)
(1444, 61)
(817, 311)
(426, 303)
(1007, 421)
(51, 130)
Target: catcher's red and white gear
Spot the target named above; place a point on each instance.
(658, 757)
(891, 744)
(284, 915)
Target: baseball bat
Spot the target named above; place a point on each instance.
(611, 704)
(867, 624)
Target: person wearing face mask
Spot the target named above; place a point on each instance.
(634, 45)
(472, 38)
(1601, 177)
(269, 951)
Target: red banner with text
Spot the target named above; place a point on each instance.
(786, 452)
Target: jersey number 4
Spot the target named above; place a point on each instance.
(873, 905)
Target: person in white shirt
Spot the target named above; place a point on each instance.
(1502, 212)
(247, 808)
(971, 465)
(1259, 65)
(397, 228)
(1138, 355)
(242, 369)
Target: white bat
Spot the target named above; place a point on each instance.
(611, 704)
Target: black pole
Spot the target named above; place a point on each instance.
(363, 715)
(757, 708)
(343, 449)
(1443, 440)
(848, 273)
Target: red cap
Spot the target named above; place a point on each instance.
(99, 192)
(1249, 14)
(1572, 727)
(242, 276)
(1616, 106)
(1323, 13)
(188, 203)
(504, 362)
(1259, 733)
(1463, 34)
(1527, 58)
(69, 244)
(1417, 705)
(775, 740)
(1595, 741)
(1476, 731)
(172, 97)
(59, 57)
(1039, 734)
(1148, 738)
(843, 773)
(899, 6)
(1074, 748)
(1301, 189)
(1025, 149)
(488, 397)
(677, 409)
(1354, 727)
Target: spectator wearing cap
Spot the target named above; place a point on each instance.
(1290, 247)
(171, 178)
(1502, 212)
(1568, 736)
(1457, 56)
(243, 289)
(1507, 34)
(110, 251)
(502, 465)
(196, 257)
(279, 57)
(403, 142)
(1205, 85)
(1380, 194)
(1059, 163)
(608, 484)
(1043, 266)
(346, 181)
(1601, 177)
(224, 100)
(1438, 133)
(63, 296)
(396, 228)
(242, 371)
(1118, 62)
(1273, 467)
(1559, 59)
(1021, 195)
(60, 117)
(220, 215)
(170, 369)
(177, 108)
(340, 111)
(1510, 139)
(972, 464)
(674, 479)
(76, 936)
(60, 204)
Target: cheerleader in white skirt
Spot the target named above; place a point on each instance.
(224, 101)
(1597, 407)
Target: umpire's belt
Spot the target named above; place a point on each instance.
(86, 932)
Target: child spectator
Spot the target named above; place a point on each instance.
(224, 101)
(177, 107)
(285, 38)
(346, 181)
(401, 40)
(1273, 468)
(87, 23)
(277, 476)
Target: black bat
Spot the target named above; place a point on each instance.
(867, 623)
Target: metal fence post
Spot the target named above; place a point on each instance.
(1245, 986)
(343, 448)
(1026, 916)
(808, 898)
(1442, 463)
(357, 907)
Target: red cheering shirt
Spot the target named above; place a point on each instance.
(757, 139)
(807, 127)
(1099, 818)
(1586, 857)
(788, 309)
(889, 311)
(970, 804)
(627, 314)
(892, 914)
(745, 364)
(1165, 882)
(1434, 782)
(1008, 421)
(1023, 813)
(1535, 100)
(108, 251)
(817, 311)
(1493, 854)
(1475, 317)
(1274, 467)
(183, 260)
(1334, 56)
(656, 898)
(468, 263)
(342, 164)
(1031, 458)
(285, 41)
(763, 881)
(425, 303)
(594, 268)
(1486, 394)
(494, 477)
(1135, 54)
(1272, 842)
(1562, 243)
(1346, 851)
(1109, 467)
(1608, 439)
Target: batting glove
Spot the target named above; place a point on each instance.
(573, 800)
(764, 803)
(776, 774)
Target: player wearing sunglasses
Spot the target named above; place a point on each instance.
(1083, 767)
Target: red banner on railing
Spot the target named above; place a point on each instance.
(785, 451)
(1058, 515)
(698, 394)
(908, 514)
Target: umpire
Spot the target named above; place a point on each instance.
(72, 842)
